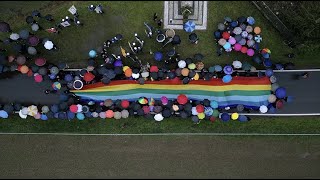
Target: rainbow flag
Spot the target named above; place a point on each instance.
(248, 91)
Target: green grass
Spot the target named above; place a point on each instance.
(127, 18)
(141, 125)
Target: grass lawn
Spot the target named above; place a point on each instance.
(127, 18)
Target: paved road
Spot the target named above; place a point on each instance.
(306, 93)
(43, 156)
(21, 88)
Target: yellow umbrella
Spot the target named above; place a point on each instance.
(32, 110)
(234, 116)
(196, 77)
(123, 52)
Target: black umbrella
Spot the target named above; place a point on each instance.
(17, 107)
(48, 17)
(17, 47)
(187, 107)
(186, 80)
(171, 75)
(8, 108)
(3, 59)
(43, 71)
(36, 13)
(166, 113)
(154, 75)
(198, 57)
(63, 106)
(242, 19)
(110, 74)
(193, 37)
(176, 40)
(141, 81)
(140, 112)
(206, 102)
(191, 74)
(119, 37)
(34, 68)
(4, 27)
(105, 80)
(188, 60)
(30, 20)
(184, 114)
(118, 70)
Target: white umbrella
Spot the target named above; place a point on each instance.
(35, 27)
(158, 117)
(14, 36)
(48, 45)
(22, 115)
(272, 98)
(237, 64)
(263, 109)
(24, 111)
(182, 64)
(32, 50)
(32, 110)
(79, 108)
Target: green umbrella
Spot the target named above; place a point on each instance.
(246, 66)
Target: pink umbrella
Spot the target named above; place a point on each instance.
(38, 78)
(250, 52)
(237, 47)
(232, 40)
(40, 61)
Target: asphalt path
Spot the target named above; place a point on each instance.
(21, 88)
(52, 156)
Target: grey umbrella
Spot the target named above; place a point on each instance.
(221, 26)
(274, 86)
(4, 27)
(237, 30)
(29, 19)
(32, 50)
(250, 43)
(243, 27)
(43, 71)
(240, 107)
(242, 41)
(54, 70)
(198, 57)
(249, 29)
(227, 19)
(35, 27)
(24, 34)
(21, 60)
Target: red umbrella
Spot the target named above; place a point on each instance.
(40, 61)
(88, 77)
(182, 99)
(279, 104)
(38, 78)
(74, 108)
(154, 69)
(33, 40)
(225, 35)
(244, 49)
(30, 73)
(125, 104)
(199, 108)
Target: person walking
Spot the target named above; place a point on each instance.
(155, 17)
(159, 22)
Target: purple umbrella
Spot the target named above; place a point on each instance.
(242, 41)
(4, 27)
(232, 40)
(250, 52)
(33, 40)
(228, 69)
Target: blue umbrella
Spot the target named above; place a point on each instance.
(227, 78)
(242, 118)
(228, 69)
(250, 20)
(227, 45)
(80, 116)
(257, 60)
(217, 34)
(267, 63)
(269, 72)
(279, 66)
(214, 104)
(218, 68)
(63, 97)
(234, 24)
(71, 115)
(44, 117)
(56, 115)
(281, 92)
(266, 55)
(68, 77)
(158, 56)
(171, 53)
(24, 34)
(290, 99)
(272, 110)
(54, 108)
(92, 53)
(88, 114)
(225, 117)
(3, 114)
(189, 26)
(211, 69)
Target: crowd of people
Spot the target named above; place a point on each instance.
(113, 68)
